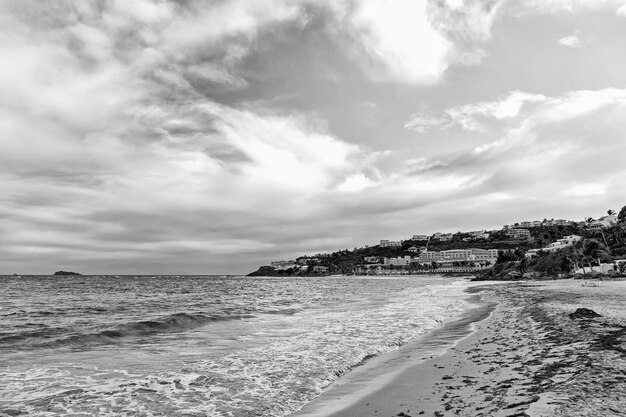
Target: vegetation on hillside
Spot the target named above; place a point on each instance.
(597, 246)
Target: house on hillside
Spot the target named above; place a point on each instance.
(522, 234)
(442, 237)
(554, 246)
(476, 235)
(384, 243)
(283, 265)
(603, 222)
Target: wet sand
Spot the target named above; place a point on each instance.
(527, 358)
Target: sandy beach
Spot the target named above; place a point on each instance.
(526, 357)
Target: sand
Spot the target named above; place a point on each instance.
(525, 357)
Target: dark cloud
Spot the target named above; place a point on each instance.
(211, 137)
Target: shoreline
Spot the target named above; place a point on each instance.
(526, 358)
(377, 372)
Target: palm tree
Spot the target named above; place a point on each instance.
(577, 256)
(522, 264)
(589, 221)
(622, 215)
(592, 249)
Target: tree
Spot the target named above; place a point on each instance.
(435, 265)
(522, 264)
(621, 217)
(592, 249)
(589, 221)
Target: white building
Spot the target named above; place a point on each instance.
(603, 222)
(518, 233)
(481, 256)
(389, 243)
(554, 246)
(478, 234)
(399, 261)
(420, 237)
(442, 237)
(282, 265)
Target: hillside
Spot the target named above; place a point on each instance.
(596, 246)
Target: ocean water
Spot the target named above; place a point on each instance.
(200, 346)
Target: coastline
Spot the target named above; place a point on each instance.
(527, 357)
(376, 373)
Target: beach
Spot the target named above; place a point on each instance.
(525, 357)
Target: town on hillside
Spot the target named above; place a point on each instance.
(552, 248)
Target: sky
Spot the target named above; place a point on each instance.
(215, 136)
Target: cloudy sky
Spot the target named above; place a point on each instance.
(215, 136)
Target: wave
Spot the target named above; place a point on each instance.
(173, 323)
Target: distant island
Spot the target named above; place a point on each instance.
(528, 249)
(66, 273)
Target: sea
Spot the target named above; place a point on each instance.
(201, 345)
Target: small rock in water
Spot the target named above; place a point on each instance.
(584, 313)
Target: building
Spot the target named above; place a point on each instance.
(561, 222)
(389, 244)
(413, 249)
(420, 237)
(603, 222)
(479, 257)
(518, 233)
(603, 268)
(429, 256)
(478, 234)
(318, 269)
(282, 265)
(372, 259)
(399, 261)
(442, 237)
(554, 246)
(531, 223)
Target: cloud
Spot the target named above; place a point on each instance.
(545, 152)
(137, 136)
(585, 190)
(561, 6)
(472, 117)
(401, 36)
(114, 148)
(572, 41)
